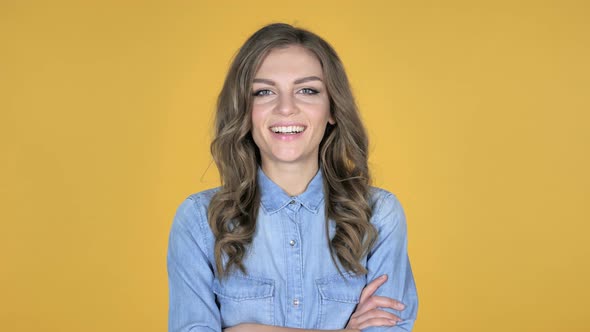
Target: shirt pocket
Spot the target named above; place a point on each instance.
(338, 299)
(244, 299)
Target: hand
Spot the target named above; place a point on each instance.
(367, 313)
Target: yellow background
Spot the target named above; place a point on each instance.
(478, 114)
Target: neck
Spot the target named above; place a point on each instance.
(293, 179)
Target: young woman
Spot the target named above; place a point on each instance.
(295, 237)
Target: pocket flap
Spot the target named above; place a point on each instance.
(241, 288)
(336, 288)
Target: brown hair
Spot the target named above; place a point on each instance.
(342, 158)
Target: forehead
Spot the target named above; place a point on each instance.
(293, 61)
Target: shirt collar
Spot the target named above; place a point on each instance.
(274, 198)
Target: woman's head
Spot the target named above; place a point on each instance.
(237, 102)
(260, 96)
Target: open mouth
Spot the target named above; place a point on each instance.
(287, 130)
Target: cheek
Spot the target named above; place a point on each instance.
(325, 113)
(256, 118)
(322, 116)
(257, 124)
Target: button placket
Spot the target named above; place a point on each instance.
(294, 315)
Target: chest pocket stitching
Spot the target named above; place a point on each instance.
(241, 288)
(336, 289)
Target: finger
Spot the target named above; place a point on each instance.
(375, 313)
(371, 287)
(376, 301)
(377, 322)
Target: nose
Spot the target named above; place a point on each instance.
(286, 105)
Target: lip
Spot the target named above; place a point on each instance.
(286, 124)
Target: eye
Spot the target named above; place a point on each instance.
(260, 93)
(308, 91)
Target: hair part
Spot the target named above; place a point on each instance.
(343, 157)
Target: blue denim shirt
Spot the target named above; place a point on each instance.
(291, 280)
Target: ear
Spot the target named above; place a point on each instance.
(331, 120)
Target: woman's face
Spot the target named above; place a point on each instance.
(291, 108)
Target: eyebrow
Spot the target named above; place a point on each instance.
(297, 81)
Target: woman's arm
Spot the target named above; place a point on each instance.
(192, 304)
(389, 256)
(369, 312)
(267, 328)
(366, 314)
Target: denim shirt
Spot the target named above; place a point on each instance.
(291, 279)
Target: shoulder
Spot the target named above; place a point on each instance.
(190, 227)
(387, 209)
(380, 198)
(192, 212)
(203, 198)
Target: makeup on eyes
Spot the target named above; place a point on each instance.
(259, 92)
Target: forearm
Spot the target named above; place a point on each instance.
(268, 328)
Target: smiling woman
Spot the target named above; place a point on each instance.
(295, 237)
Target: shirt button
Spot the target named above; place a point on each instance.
(292, 242)
(292, 202)
(296, 302)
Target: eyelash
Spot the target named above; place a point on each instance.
(259, 93)
(312, 91)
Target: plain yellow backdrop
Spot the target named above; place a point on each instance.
(478, 115)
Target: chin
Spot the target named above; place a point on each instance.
(287, 159)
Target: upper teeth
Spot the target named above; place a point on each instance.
(287, 129)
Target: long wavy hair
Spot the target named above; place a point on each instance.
(343, 156)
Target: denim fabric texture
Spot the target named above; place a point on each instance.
(291, 279)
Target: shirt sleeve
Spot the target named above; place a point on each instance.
(192, 304)
(390, 256)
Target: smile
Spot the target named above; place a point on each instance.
(287, 129)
